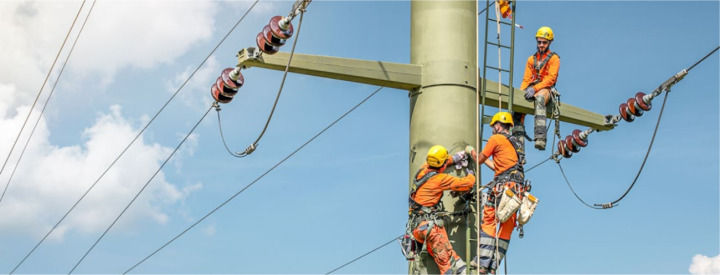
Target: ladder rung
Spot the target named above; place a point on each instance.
(499, 45)
(498, 69)
(501, 22)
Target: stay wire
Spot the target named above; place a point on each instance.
(135, 139)
(40, 91)
(141, 190)
(254, 181)
(368, 253)
(253, 146)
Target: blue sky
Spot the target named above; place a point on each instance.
(345, 193)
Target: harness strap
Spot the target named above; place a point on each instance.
(542, 64)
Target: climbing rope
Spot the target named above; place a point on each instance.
(134, 139)
(38, 96)
(499, 48)
(253, 182)
(141, 190)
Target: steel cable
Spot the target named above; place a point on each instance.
(134, 139)
(368, 253)
(253, 182)
(39, 92)
(141, 190)
(254, 145)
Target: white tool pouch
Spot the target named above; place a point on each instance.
(509, 203)
(527, 208)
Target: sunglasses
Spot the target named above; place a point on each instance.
(543, 42)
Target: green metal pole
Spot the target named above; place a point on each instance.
(443, 38)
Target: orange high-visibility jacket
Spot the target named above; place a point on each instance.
(547, 76)
(502, 151)
(431, 191)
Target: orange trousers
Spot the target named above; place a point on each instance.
(438, 244)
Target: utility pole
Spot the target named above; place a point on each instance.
(442, 81)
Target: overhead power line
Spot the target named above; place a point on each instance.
(363, 255)
(253, 182)
(40, 91)
(141, 190)
(136, 137)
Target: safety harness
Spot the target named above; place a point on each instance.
(419, 213)
(515, 173)
(538, 66)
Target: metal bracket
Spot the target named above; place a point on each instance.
(249, 54)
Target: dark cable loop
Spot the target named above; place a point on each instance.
(40, 91)
(254, 145)
(141, 190)
(253, 182)
(134, 139)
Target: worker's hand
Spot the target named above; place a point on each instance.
(530, 93)
(457, 157)
(470, 171)
(470, 151)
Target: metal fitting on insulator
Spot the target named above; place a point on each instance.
(232, 78)
(571, 146)
(264, 46)
(281, 27)
(643, 101)
(218, 96)
(625, 114)
(634, 108)
(580, 138)
(563, 150)
(272, 39)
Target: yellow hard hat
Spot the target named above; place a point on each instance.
(437, 155)
(502, 117)
(545, 32)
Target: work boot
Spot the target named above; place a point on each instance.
(540, 144)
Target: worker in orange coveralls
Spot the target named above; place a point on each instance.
(541, 73)
(425, 205)
(507, 159)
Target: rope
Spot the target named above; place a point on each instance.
(38, 95)
(141, 190)
(368, 253)
(254, 145)
(133, 141)
(253, 182)
(497, 21)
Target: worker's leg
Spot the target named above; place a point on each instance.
(541, 99)
(439, 247)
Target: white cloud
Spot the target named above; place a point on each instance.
(196, 93)
(141, 34)
(209, 230)
(51, 178)
(702, 264)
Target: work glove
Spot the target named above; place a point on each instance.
(460, 160)
(470, 152)
(530, 93)
(470, 171)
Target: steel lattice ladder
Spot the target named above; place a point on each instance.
(472, 242)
